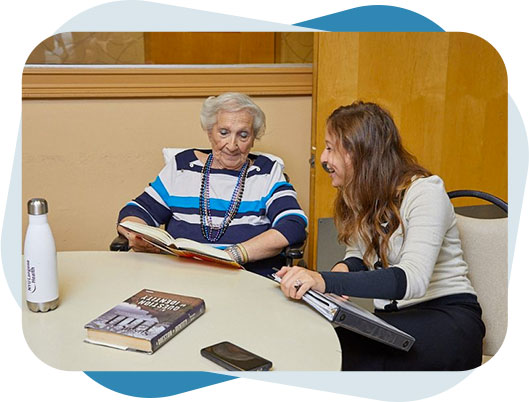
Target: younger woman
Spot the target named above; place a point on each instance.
(403, 249)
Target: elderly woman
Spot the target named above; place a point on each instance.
(226, 196)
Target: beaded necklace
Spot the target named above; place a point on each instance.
(210, 231)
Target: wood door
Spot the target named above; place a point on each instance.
(446, 91)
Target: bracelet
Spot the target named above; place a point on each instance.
(239, 253)
(244, 253)
(235, 253)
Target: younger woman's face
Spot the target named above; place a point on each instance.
(338, 161)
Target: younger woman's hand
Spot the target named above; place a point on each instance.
(295, 281)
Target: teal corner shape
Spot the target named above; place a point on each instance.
(373, 19)
(155, 384)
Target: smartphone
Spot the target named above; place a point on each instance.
(235, 358)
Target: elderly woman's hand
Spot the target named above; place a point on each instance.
(136, 243)
(295, 281)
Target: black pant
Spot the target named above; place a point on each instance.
(448, 334)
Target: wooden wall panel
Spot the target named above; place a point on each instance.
(163, 82)
(475, 130)
(101, 48)
(447, 93)
(209, 47)
(406, 73)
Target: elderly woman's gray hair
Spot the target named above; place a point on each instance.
(231, 102)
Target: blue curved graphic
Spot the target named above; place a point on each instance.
(373, 19)
(155, 384)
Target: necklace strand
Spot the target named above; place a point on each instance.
(210, 231)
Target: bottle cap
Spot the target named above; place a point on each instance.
(37, 206)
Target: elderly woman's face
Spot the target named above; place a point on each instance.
(232, 139)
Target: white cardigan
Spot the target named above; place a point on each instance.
(430, 252)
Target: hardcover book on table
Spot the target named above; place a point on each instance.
(180, 247)
(145, 321)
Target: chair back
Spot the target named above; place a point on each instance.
(169, 154)
(484, 243)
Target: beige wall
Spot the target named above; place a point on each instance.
(89, 157)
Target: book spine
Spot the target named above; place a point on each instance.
(178, 326)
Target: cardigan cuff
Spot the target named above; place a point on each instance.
(389, 283)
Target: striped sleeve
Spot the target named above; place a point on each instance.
(282, 208)
(151, 205)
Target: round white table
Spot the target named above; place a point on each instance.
(241, 307)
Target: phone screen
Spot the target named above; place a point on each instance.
(235, 358)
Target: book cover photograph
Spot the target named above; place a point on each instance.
(145, 321)
(180, 247)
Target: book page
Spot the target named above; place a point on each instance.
(181, 247)
(191, 245)
(154, 234)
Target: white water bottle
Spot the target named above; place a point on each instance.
(40, 259)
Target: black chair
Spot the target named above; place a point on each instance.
(483, 234)
(481, 195)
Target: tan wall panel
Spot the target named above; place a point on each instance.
(89, 157)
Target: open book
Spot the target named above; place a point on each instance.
(351, 316)
(180, 247)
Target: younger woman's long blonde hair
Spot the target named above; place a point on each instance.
(367, 205)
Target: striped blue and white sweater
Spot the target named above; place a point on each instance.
(269, 201)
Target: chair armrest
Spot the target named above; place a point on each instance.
(294, 252)
(120, 243)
